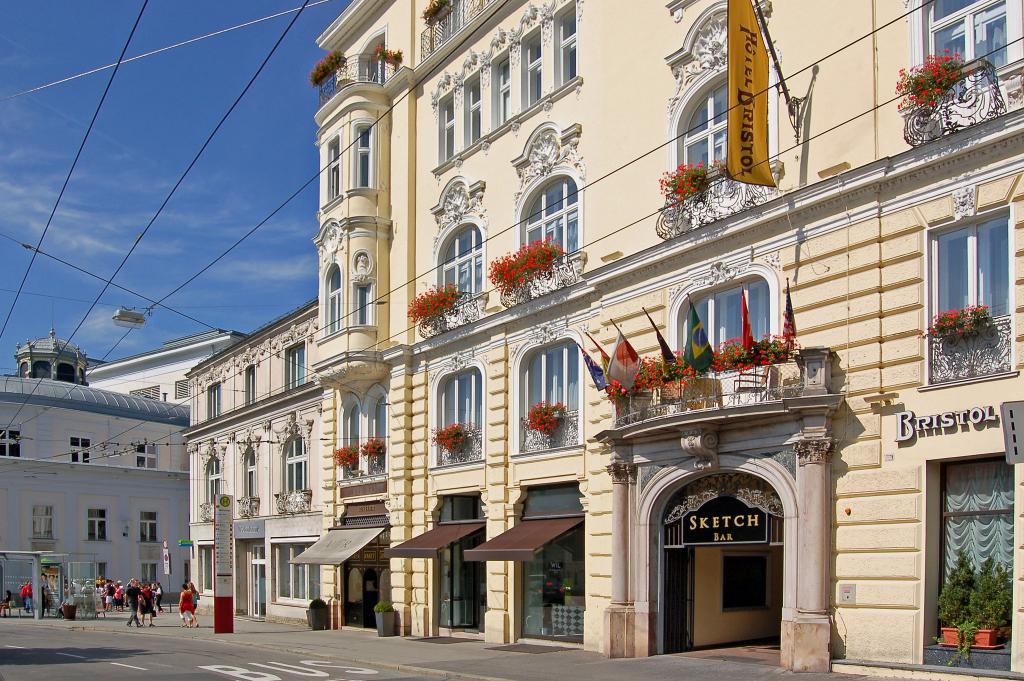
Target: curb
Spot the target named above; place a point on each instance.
(391, 666)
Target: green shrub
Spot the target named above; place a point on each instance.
(384, 606)
(317, 604)
(955, 599)
(992, 599)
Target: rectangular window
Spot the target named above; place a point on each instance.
(473, 109)
(502, 77)
(147, 572)
(10, 442)
(182, 390)
(977, 512)
(447, 131)
(333, 169)
(147, 526)
(363, 156)
(145, 455)
(533, 64)
(213, 401)
(971, 29)
(250, 384)
(96, 524)
(364, 305)
(296, 581)
(42, 522)
(206, 568)
(554, 589)
(567, 46)
(295, 366)
(80, 447)
(971, 267)
(744, 581)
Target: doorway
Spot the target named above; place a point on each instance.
(367, 580)
(258, 582)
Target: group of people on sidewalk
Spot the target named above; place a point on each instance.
(143, 600)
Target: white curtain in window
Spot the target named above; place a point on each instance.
(979, 489)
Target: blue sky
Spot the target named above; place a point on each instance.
(159, 111)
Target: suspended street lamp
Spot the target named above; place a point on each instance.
(129, 318)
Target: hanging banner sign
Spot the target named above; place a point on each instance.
(747, 157)
(223, 565)
(725, 520)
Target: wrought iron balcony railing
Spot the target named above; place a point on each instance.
(467, 310)
(723, 197)
(248, 507)
(206, 512)
(298, 501)
(973, 99)
(372, 465)
(566, 271)
(471, 451)
(566, 434)
(446, 27)
(955, 358)
(357, 69)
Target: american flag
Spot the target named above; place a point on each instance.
(789, 321)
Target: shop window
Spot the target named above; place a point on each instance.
(295, 580)
(552, 501)
(463, 584)
(745, 581)
(977, 512)
(457, 507)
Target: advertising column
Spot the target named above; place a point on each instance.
(223, 563)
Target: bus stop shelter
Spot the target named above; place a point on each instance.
(35, 559)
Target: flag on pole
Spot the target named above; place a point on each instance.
(789, 321)
(596, 373)
(624, 361)
(605, 359)
(747, 129)
(666, 351)
(698, 354)
(746, 337)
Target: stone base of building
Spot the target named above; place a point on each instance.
(619, 631)
(805, 645)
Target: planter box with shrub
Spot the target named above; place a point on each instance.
(318, 616)
(384, 612)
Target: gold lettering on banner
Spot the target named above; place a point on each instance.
(747, 157)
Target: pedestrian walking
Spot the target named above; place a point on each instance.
(26, 597)
(119, 597)
(195, 604)
(132, 594)
(108, 601)
(158, 593)
(146, 604)
(187, 608)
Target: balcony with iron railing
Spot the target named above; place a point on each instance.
(369, 466)
(206, 512)
(969, 356)
(471, 451)
(722, 197)
(468, 309)
(973, 99)
(360, 68)
(565, 434)
(566, 271)
(248, 507)
(295, 501)
(447, 25)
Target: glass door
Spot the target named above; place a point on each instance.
(258, 582)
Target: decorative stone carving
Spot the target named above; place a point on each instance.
(702, 445)
(774, 261)
(248, 507)
(813, 450)
(749, 489)
(362, 268)
(964, 202)
(458, 201)
(622, 473)
(719, 273)
(298, 501)
(547, 149)
(545, 333)
(206, 512)
(566, 434)
(709, 49)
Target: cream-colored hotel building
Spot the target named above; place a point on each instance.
(510, 121)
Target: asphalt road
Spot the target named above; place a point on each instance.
(53, 655)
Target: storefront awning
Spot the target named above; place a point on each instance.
(337, 546)
(523, 540)
(429, 543)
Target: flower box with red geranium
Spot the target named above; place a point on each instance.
(433, 302)
(732, 356)
(452, 438)
(382, 53)
(514, 270)
(375, 446)
(685, 181)
(969, 321)
(925, 85)
(347, 457)
(544, 417)
(436, 10)
(326, 67)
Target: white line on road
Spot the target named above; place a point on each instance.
(79, 657)
(130, 666)
(19, 647)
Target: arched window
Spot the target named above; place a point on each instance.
(250, 474)
(552, 375)
(24, 370)
(462, 398)
(212, 479)
(554, 215)
(334, 293)
(65, 372)
(720, 311)
(702, 133)
(379, 418)
(295, 474)
(462, 263)
(40, 369)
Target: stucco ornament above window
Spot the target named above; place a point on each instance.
(749, 489)
(546, 150)
(458, 201)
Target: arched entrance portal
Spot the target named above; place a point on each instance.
(722, 563)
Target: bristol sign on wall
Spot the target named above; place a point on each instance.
(909, 425)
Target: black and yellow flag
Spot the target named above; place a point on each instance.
(747, 156)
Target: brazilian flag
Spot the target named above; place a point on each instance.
(698, 352)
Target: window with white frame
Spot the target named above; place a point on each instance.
(378, 415)
(333, 169)
(970, 266)
(334, 299)
(250, 384)
(295, 466)
(703, 133)
(720, 312)
(351, 425)
(295, 366)
(362, 174)
(473, 108)
(462, 399)
(462, 262)
(96, 524)
(206, 568)
(364, 304)
(533, 70)
(42, 522)
(249, 487)
(971, 28)
(147, 526)
(147, 572)
(10, 442)
(552, 375)
(213, 401)
(554, 215)
(295, 580)
(212, 479)
(446, 111)
(566, 51)
(502, 79)
(80, 449)
(145, 455)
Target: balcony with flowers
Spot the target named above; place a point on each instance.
(535, 270)
(967, 344)
(457, 444)
(362, 461)
(336, 71)
(944, 95)
(548, 426)
(445, 19)
(443, 308)
(699, 195)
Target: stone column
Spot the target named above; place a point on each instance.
(619, 616)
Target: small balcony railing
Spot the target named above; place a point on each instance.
(357, 69)
(206, 512)
(723, 197)
(298, 501)
(566, 434)
(973, 99)
(956, 358)
(471, 451)
(446, 27)
(469, 309)
(566, 271)
(248, 507)
(369, 466)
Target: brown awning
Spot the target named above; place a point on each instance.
(429, 543)
(523, 540)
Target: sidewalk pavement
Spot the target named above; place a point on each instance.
(453, 658)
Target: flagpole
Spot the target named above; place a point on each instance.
(792, 103)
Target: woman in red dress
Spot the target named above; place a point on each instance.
(187, 608)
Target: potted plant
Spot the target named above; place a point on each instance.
(969, 321)
(382, 53)
(69, 609)
(326, 67)
(384, 612)
(433, 302)
(954, 602)
(436, 10)
(514, 270)
(685, 181)
(317, 615)
(375, 446)
(544, 417)
(451, 438)
(925, 85)
(991, 603)
(347, 456)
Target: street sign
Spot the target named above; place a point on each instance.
(1012, 417)
(167, 560)
(223, 562)
(185, 543)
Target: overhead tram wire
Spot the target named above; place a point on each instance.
(383, 296)
(74, 164)
(174, 189)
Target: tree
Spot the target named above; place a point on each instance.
(992, 600)
(955, 598)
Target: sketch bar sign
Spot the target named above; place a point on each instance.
(223, 565)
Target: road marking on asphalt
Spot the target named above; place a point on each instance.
(79, 657)
(19, 647)
(130, 666)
